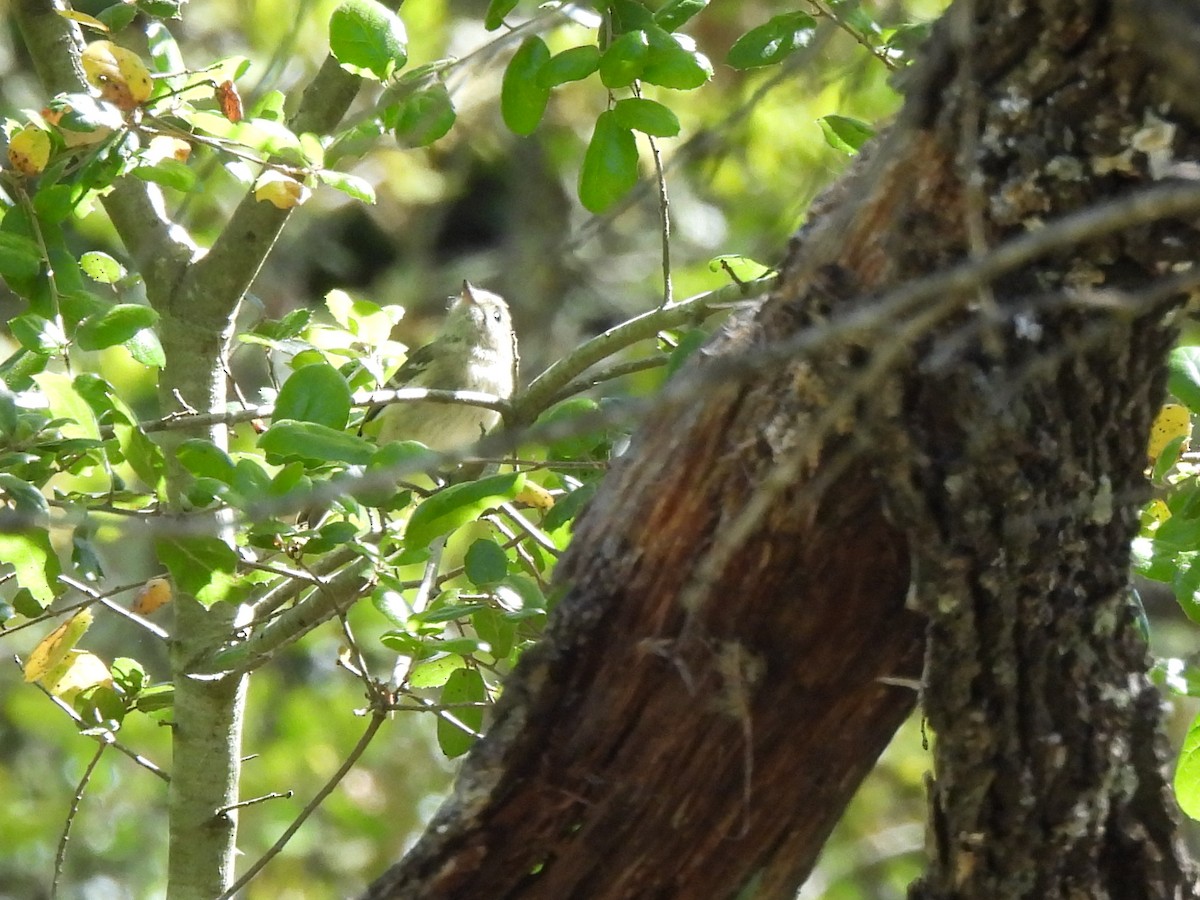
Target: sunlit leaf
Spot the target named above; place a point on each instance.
(53, 648)
(1183, 366)
(675, 13)
(844, 133)
(286, 440)
(113, 326)
(317, 393)
(647, 116)
(458, 504)
(772, 41)
(367, 37)
(202, 566)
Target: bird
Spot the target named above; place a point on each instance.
(475, 350)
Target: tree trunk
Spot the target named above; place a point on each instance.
(863, 476)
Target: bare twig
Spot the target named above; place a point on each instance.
(60, 855)
(377, 718)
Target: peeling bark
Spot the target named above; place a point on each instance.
(720, 675)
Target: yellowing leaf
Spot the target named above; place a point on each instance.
(535, 495)
(55, 646)
(281, 191)
(1172, 421)
(154, 594)
(1155, 513)
(29, 150)
(119, 74)
(79, 671)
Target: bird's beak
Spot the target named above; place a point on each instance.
(468, 292)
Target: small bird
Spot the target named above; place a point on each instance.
(476, 350)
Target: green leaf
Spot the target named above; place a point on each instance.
(646, 116)
(115, 325)
(677, 12)
(170, 173)
(610, 164)
(129, 675)
(65, 403)
(432, 673)
(37, 567)
(771, 42)
(1183, 364)
(317, 393)
(204, 459)
(674, 61)
(367, 37)
(628, 15)
(287, 440)
(740, 268)
(199, 565)
(568, 507)
(1187, 772)
(26, 500)
(522, 97)
(623, 61)
(101, 267)
(844, 133)
(425, 117)
(84, 556)
(164, 51)
(146, 348)
(496, 11)
(20, 257)
(161, 696)
(458, 504)
(574, 64)
(351, 185)
(689, 342)
(38, 334)
(391, 462)
(496, 631)
(485, 563)
(462, 687)
(54, 203)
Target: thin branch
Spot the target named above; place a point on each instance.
(538, 396)
(321, 605)
(104, 600)
(254, 801)
(197, 420)
(378, 716)
(620, 370)
(60, 855)
(104, 737)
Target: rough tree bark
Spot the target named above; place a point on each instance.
(858, 486)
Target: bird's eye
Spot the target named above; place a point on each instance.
(496, 316)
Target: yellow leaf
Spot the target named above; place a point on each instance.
(83, 19)
(54, 646)
(1171, 422)
(79, 671)
(154, 593)
(1155, 513)
(536, 496)
(119, 74)
(281, 191)
(29, 150)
